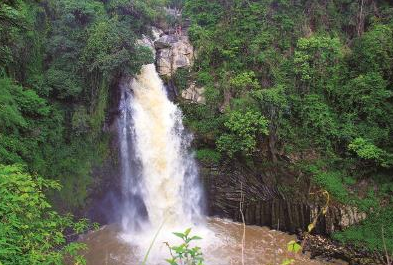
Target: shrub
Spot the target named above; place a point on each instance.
(244, 130)
(30, 231)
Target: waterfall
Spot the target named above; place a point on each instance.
(159, 175)
(133, 212)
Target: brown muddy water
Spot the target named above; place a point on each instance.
(221, 245)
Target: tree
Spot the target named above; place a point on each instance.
(244, 132)
(111, 49)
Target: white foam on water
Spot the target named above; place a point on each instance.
(160, 251)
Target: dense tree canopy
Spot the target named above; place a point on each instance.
(58, 59)
(319, 76)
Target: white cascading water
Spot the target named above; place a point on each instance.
(159, 175)
(169, 172)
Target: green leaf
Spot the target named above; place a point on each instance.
(187, 232)
(181, 235)
(293, 247)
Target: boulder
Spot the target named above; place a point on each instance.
(173, 52)
(166, 41)
(147, 42)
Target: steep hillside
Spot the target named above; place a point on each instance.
(298, 101)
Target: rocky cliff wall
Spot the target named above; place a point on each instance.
(268, 203)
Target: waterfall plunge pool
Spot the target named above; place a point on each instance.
(221, 245)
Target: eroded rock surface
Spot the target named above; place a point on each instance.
(173, 51)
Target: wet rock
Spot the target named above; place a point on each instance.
(166, 41)
(156, 32)
(164, 62)
(149, 42)
(269, 204)
(324, 248)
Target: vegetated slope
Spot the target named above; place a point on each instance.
(305, 81)
(58, 61)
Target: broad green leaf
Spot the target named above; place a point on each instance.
(293, 247)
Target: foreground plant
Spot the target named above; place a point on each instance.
(184, 254)
(293, 248)
(31, 232)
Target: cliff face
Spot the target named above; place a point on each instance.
(267, 201)
(173, 51)
(272, 198)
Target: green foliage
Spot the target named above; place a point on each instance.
(145, 11)
(293, 247)
(373, 52)
(19, 111)
(181, 78)
(367, 95)
(333, 182)
(208, 156)
(212, 96)
(370, 231)
(10, 115)
(243, 82)
(176, 3)
(184, 254)
(57, 61)
(62, 84)
(319, 120)
(316, 59)
(368, 151)
(203, 12)
(31, 231)
(12, 21)
(111, 48)
(244, 131)
(321, 80)
(202, 120)
(204, 78)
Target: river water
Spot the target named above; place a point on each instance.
(221, 245)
